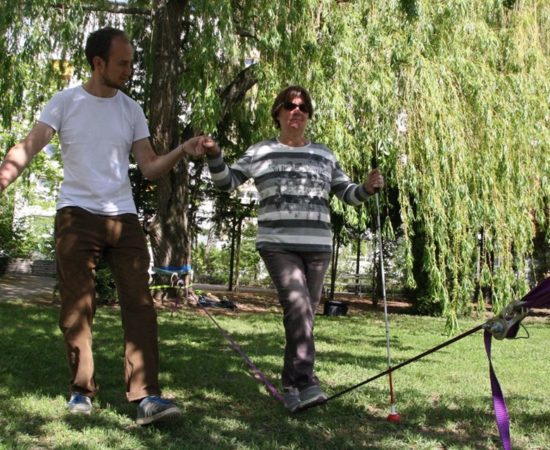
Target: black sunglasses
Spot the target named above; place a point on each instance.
(289, 106)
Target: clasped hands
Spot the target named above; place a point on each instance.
(199, 146)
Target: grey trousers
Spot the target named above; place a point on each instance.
(298, 278)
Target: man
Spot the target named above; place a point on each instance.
(98, 127)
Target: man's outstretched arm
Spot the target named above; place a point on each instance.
(154, 166)
(21, 154)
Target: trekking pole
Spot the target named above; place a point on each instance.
(393, 416)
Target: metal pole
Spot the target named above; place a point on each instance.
(393, 415)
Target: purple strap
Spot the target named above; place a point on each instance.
(538, 297)
(499, 404)
(258, 374)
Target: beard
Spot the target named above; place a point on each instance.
(112, 84)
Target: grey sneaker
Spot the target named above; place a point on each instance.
(80, 404)
(311, 396)
(291, 398)
(155, 409)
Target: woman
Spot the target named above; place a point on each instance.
(294, 177)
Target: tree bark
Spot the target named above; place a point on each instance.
(358, 265)
(233, 236)
(171, 231)
(171, 247)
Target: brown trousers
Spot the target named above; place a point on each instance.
(80, 239)
(298, 278)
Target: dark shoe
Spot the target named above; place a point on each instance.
(155, 409)
(80, 404)
(311, 396)
(291, 399)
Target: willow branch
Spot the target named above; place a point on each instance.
(115, 9)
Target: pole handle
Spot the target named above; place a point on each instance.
(374, 162)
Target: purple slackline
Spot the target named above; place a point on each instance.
(499, 404)
(258, 374)
(538, 297)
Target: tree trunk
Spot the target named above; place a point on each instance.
(541, 255)
(237, 268)
(358, 266)
(171, 247)
(334, 268)
(233, 235)
(375, 271)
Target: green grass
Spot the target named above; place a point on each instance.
(444, 400)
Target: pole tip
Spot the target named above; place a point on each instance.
(394, 417)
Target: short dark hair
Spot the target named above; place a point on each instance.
(286, 95)
(99, 43)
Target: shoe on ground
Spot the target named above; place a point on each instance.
(153, 409)
(80, 404)
(311, 396)
(291, 399)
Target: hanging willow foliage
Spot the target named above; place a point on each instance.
(470, 82)
(473, 175)
(453, 97)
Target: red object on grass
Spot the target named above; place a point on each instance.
(394, 418)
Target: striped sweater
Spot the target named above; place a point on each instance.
(294, 184)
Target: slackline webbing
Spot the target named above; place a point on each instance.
(257, 373)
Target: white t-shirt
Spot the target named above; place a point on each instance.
(96, 136)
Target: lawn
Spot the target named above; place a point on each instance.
(444, 399)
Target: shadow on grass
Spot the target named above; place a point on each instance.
(223, 406)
